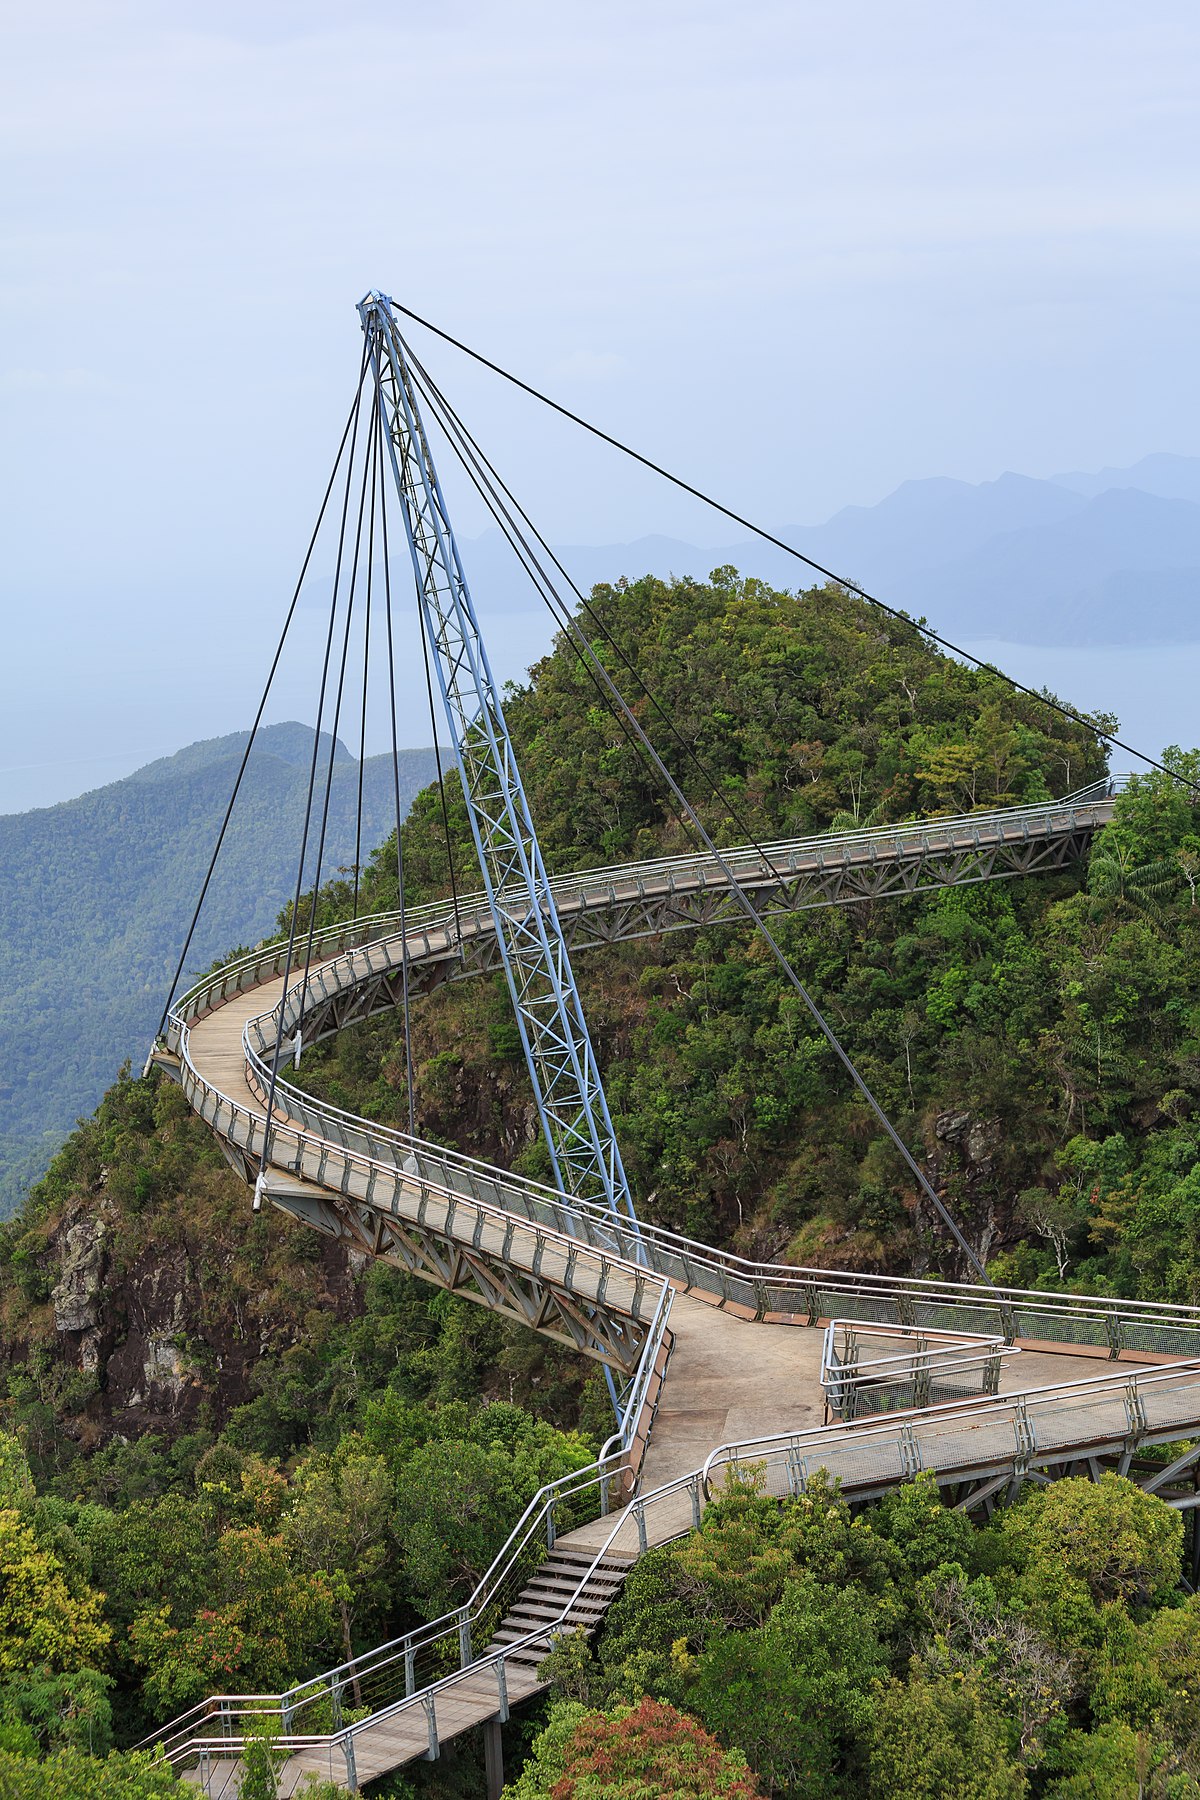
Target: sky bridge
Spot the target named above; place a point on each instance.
(717, 1361)
(713, 1362)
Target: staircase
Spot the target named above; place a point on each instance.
(542, 1600)
(561, 1582)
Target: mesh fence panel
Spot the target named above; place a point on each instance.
(1160, 1339)
(1061, 1327)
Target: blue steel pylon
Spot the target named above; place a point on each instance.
(562, 1063)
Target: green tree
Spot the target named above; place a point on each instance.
(261, 1761)
(1118, 1542)
(338, 1524)
(940, 1740)
(1111, 1763)
(72, 1775)
(46, 1624)
(16, 1482)
(795, 1692)
(266, 1625)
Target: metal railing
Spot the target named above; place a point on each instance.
(216, 1731)
(335, 1150)
(904, 1369)
(1117, 1412)
(317, 1711)
(1061, 1423)
(601, 884)
(760, 1290)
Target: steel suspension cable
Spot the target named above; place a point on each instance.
(711, 780)
(609, 691)
(312, 778)
(362, 730)
(262, 706)
(391, 662)
(769, 537)
(337, 716)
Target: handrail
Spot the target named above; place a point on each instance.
(364, 930)
(682, 1259)
(538, 1513)
(705, 1255)
(946, 1354)
(675, 1260)
(822, 1439)
(230, 1745)
(698, 1486)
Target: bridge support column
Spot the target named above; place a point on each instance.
(493, 1758)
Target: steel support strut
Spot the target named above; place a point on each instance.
(562, 1063)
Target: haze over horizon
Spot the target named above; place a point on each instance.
(1091, 576)
(801, 257)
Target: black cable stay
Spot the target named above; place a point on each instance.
(769, 537)
(478, 470)
(358, 524)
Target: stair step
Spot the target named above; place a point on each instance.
(569, 1578)
(536, 1611)
(558, 1554)
(545, 1590)
(530, 1653)
(583, 1559)
(535, 1597)
(567, 1584)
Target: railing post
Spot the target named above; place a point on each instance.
(410, 1658)
(550, 1531)
(1116, 1337)
(639, 1512)
(1025, 1436)
(335, 1695)
(502, 1689)
(464, 1638)
(435, 1748)
(991, 1374)
(910, 1453)
(351, 1771)
(694, 1491)
(922, 1382)
(1135, 1420)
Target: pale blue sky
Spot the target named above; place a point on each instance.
(800, 252)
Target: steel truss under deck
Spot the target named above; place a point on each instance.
(627, 906)
(556, 1307)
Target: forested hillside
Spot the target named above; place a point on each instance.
(96, 895)
(239, 1452)
(1037, 1042)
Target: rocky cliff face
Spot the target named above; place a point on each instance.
(147, 1305)
(960, 1164)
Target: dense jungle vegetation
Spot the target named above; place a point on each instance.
(230, 1455)
(1036, 1041)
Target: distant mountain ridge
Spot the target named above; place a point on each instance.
(1107, 558)
(96, 894)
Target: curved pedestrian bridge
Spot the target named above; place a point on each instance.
(717, 1360)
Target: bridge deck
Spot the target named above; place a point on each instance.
(733, 1378)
